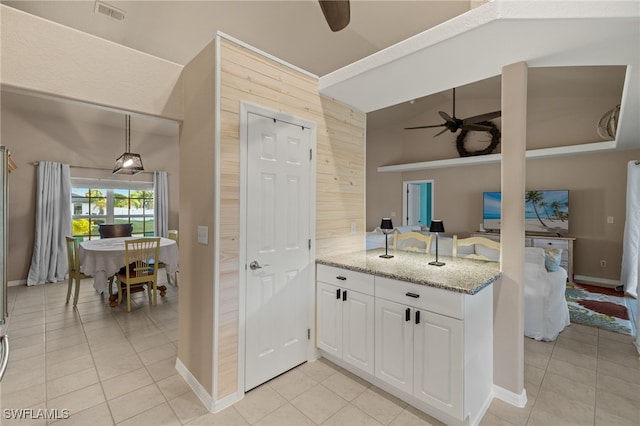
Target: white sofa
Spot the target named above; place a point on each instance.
(546, 312)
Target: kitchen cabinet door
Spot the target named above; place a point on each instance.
(438, 362)
(329, 318)
(394, 344)
(357, 331)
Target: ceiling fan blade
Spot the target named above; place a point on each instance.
(439, 133)
(482, 117)
(336, 12)
(479, 127)
(425, 127)
(446, 116)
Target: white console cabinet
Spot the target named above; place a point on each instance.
(433, 347)
(345, 306)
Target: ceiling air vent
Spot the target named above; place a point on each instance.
(110, 11)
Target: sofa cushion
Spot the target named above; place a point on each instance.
(552, 258)
(490, 253)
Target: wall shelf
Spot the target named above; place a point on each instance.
(496, 158)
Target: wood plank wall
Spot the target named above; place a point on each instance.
(340, 158)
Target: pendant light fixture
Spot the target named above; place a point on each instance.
(128, 163)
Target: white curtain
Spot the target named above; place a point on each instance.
(53, 224)
(161, 203)
(630, 272)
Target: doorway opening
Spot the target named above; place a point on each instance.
(417, 202)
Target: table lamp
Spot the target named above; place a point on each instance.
(436, 226)
(387, 226)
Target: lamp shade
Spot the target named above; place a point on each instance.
(128, 163)
(386, 223)
(436, 226)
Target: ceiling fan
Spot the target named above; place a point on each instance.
(336, 12)
(454, 124)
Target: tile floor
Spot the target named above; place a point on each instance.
(107, 366)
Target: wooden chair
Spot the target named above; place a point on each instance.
(141, 255)
(485, 249)
(74, 269)
(114, 230)
(172, 234)
(412, 241)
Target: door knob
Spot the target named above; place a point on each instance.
(255, 265)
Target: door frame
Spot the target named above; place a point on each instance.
(245, 109)
(405, 187)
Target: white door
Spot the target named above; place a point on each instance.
(277, 248)
(413, 204)
(358, 322)
(394, 344)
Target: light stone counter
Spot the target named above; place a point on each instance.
(460, 275)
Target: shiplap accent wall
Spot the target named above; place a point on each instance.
(340, 158)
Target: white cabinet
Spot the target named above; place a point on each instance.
(419, 352)
(345, 316)
(429, 346)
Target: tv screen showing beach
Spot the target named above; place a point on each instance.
(545, 211)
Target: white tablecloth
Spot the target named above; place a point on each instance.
(104, 257)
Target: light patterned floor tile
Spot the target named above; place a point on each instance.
(32, 396)
(78, 400)
(318, 370)
(161, 415)
(292, 384)
(72, 382)
(411, 416)
(135, 402)
(287, 415)
(345, 384)
(351, 415)
(98, 415)
(309, 403)
(123, 384)
(379, 404)
(187, 407)
(258, 403)
(227, 417)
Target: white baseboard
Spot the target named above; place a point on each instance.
(602, 282)
(517, 400)
(195, 386)
(16, 283)
(227, 401)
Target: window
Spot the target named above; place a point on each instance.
(97, 201)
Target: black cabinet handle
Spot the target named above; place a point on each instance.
(338, 294)
(341, 278)
(417, 317)
(414, 295)
(344, 295)
(407, 315)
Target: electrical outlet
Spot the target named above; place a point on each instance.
(609, 219)
(393, 214)
(603, 263)
(353, 227)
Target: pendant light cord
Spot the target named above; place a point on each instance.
(127, 133)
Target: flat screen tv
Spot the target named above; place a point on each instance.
(545, 212)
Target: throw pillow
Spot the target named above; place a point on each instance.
(552, 259)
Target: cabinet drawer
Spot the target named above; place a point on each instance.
(432, 299)
(549, 243)
(345, 278)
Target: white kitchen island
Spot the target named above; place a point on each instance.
(420, 332)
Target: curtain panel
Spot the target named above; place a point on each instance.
(53, 224)
(161, 203)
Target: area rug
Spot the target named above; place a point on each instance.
(599, 307)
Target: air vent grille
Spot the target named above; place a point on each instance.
(110, 11)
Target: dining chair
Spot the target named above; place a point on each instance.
(113, 230)
(412, 241)
(74, 269)
(140, 270)
(172, 234)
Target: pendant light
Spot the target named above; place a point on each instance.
(128, 163)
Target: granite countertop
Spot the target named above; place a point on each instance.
(460, 275)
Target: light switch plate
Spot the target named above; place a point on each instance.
(203, 235)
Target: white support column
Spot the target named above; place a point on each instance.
(508, 329)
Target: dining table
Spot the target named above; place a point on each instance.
(103, 258)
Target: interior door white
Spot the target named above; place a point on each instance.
(413, 204)
(277, 248)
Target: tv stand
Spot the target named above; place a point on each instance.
(543, 241)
